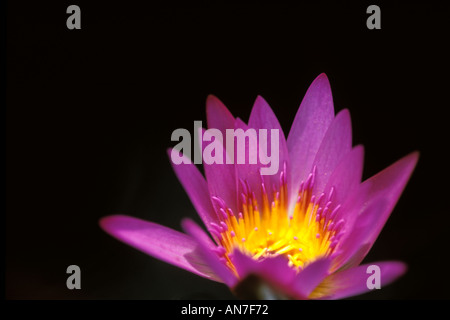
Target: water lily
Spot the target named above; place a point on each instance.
(301, 233)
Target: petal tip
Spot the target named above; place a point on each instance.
(345, 112)
(187, 224)
(211, 98)
(321, 79)
(414, 157)
(259, 106)
(322, 76)
(260, 98)
(169, 152)
(392, 271)
(107, 223)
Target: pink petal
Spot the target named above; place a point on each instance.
(346, 178)
(158, 241)
(211, 258)
(353, 258)
(262, 117)
(354, 205)
(389, 185)
(311, 122)
(336, 143)
(311, 276)
(248, 172)
(195, 186)
(274, 271)
(221, 177)
(277, 273)
(354, 245)
(217, 115)
(372, 207)
(353, 281)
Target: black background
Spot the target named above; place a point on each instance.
(90, 113)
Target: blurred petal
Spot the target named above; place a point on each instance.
(310, 124)
(195, 186)
(206, 252)
(160, 242)
(353, 281)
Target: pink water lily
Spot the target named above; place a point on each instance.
(299, 234)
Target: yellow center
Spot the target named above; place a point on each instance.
(307, 234)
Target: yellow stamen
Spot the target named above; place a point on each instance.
(303, 237)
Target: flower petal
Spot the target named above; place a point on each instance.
(221, 177)
(353, 281)
(311, 122)
(372, 207)
(195, 186)
(217, 115)
(336, 143)
(248, 172)
(369, 208)
(262, 117)
(273, 271)
(354, 245)
(206, 247)
(346, 178)
(389, 185)
(311, 276)
(158, 241)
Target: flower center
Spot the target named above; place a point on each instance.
(268, 230)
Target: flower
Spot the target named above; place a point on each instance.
(300, 233)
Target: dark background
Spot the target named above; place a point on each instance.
(90, 113)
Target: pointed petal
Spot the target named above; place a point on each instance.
(158, 241)
(353, 281)
(262, 117)
(310, 124)
(373, 205)
(344, 184)
(346, 178)
(221, 177)
(273, 271)
(217, 115)
(249, 172)
(354, 245)
(389, 185)
(367, 211)
(336, 143)
(355, 257)
(206, 247)
(195, 186)
(310, 277)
